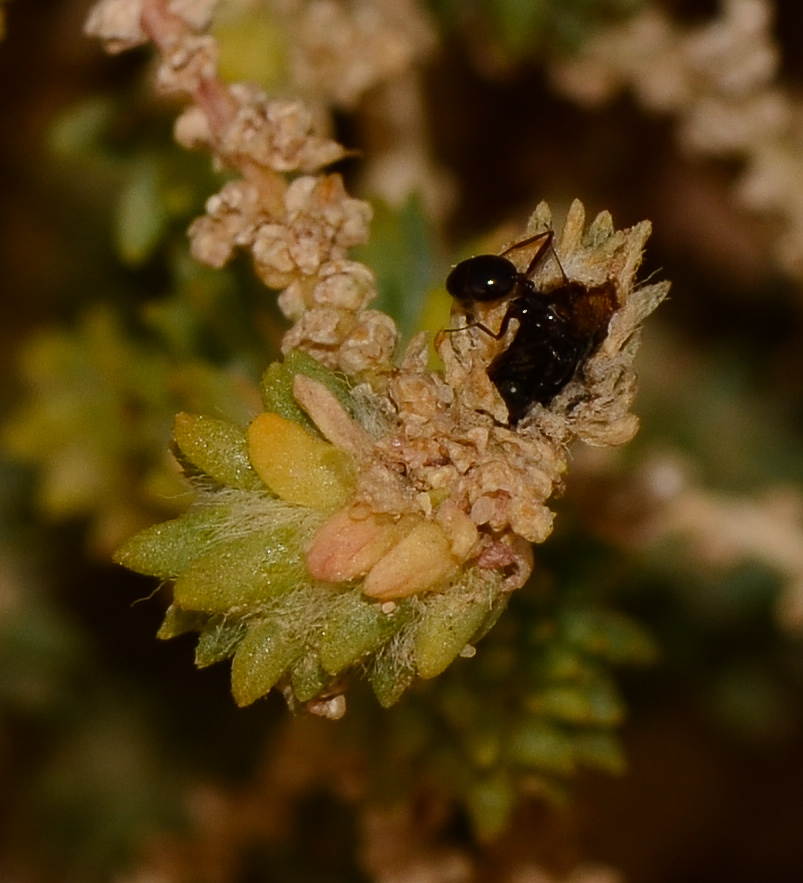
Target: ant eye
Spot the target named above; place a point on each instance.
(486, 277)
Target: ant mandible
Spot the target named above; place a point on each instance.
(558, 327)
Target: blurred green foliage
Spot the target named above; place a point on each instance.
(521, 29)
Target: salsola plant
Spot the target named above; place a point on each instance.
(376, 516)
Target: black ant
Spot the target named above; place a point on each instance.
(559, 328)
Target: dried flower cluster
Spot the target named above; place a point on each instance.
(341, 50)
(380, 522)
(720, 79)
(298, 226)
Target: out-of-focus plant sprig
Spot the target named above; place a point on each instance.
(100, 398)
(514, 31)
(537, 705)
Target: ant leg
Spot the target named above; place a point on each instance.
(548, 244)
(560, 265)
(496, 335)
(547, 236)
(513, 312)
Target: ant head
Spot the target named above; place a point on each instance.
(484, 278)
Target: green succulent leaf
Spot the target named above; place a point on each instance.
(242, 573)
(179, 622)
(142, 218)
(537, 744)
(309, 678)
(607, 635)
(167, 549)
(219, 640)
(265, 653)
(448, 623)
(217, 448)
(595, 703)
(355, 628)
(391, 675)
(490, 802)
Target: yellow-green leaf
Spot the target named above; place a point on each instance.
(242, 573)
(167, 548)
(449, 622)
(355, 627)
(216, 447)
(263, 656)
(298, 467)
